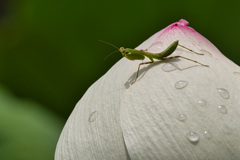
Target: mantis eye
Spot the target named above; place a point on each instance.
(122, 49)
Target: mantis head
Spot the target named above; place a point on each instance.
(122, 50)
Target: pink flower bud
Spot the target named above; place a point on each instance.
(177, 109)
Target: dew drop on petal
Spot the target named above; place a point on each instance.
(222, 109)
(202, 103)
(193, 137)
(206, 53)
(155, 47)
(223, 93)
(181, 84)
(207, 134)
(236, 74)
(227, 130)
(93, 116)
(169, 67)
(178, 51)
(182, 117)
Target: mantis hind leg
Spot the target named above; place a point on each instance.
(138, 70)
(165, 58)
(190, 50)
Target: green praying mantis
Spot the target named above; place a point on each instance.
(133, 54)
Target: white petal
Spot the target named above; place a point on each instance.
(142, 120)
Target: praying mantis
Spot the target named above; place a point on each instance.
(133, 54)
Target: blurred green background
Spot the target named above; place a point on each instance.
(49, 56)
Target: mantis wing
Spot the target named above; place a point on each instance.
(133, 56)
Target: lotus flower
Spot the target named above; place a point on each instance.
(177, 109)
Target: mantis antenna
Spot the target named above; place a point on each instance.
(110, 45)
(110, 54)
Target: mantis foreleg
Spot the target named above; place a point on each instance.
(139, 68)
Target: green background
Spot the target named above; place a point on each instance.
(50, 55)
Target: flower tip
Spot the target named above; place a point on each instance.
(182, 22)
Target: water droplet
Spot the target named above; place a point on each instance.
(236, 74)
(207, 134)
(181, 84)
(155, 47)
(222, 109)
(202, 103)
(206, 53)
(182, 117)
(227, 130)
(93, 116)
(178, 51)
(169, 67)
(193, 137)
(223, 93)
